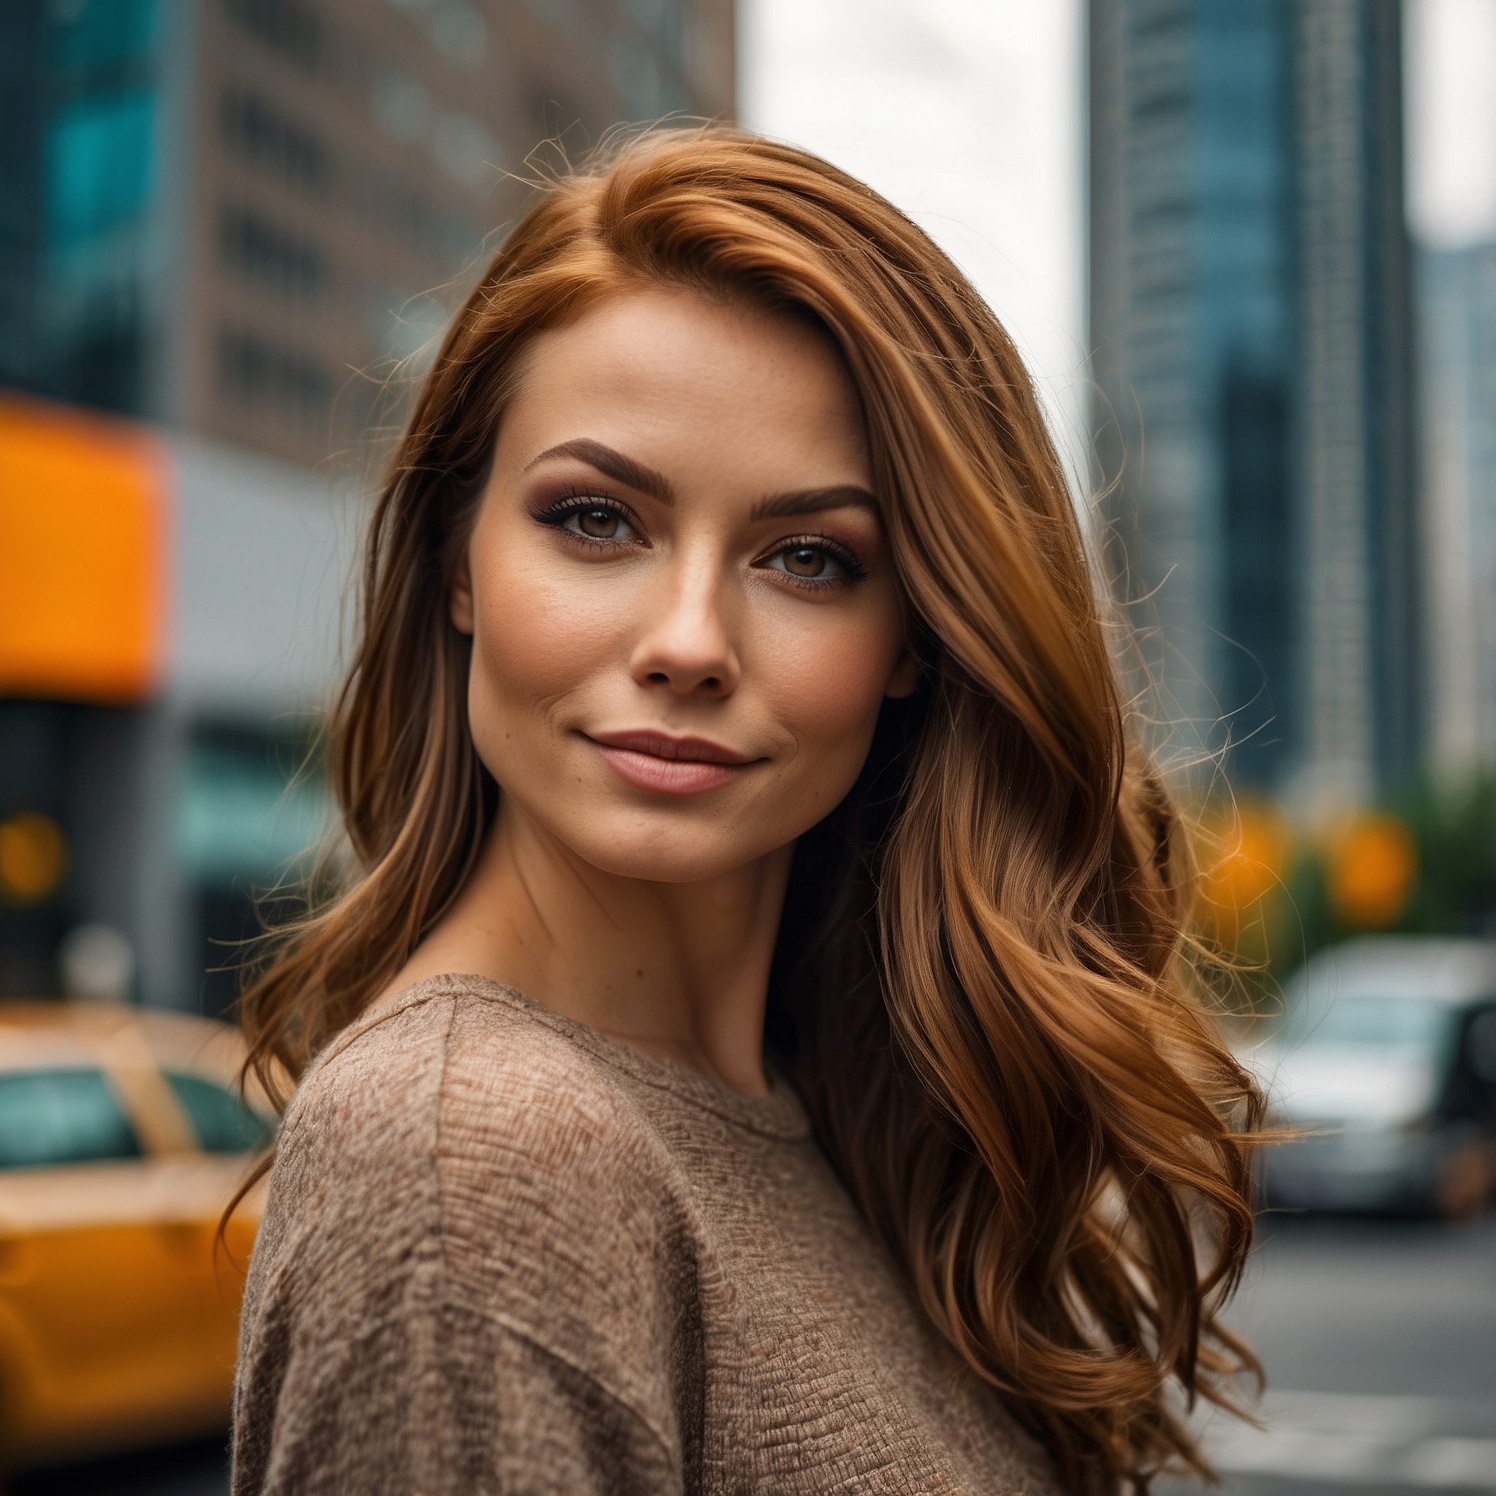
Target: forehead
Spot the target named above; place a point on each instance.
(667, 374)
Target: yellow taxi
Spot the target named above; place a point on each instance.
(122, 1138)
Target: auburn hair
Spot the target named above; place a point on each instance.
(981, 987)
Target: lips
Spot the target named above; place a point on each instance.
(672, 766)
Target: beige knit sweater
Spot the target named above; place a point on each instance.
(503, 1253)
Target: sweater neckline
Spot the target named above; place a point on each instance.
(780, 1114)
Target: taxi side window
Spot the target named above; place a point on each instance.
(222, 1122)
(50, 1117)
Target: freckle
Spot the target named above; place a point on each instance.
(639, 973)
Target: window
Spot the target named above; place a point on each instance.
(661, 21)
(222, 1122)
(288, 27)
(271, 256)
(255, 372)
(51, 1117)
(100, 164)
(99, 34)
(258, 133)
(386, 200)
(252, 808)
(1480, 1046)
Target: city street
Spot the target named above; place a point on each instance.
(1167, 330)
(1380, 1344)
(1379, 1339)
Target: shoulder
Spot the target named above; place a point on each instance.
(459, 1084)
(460, 1136)
(467, 1244)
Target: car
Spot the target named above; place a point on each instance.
(1384, 1066)
(122, 1138)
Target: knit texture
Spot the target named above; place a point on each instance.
(504, 1253)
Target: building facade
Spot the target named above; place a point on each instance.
(1251, 333)
(230, 231)
(242, 216)
(1457, 306)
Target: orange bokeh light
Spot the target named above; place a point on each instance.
(1370, 872)
(33, 857)
(1242, 860)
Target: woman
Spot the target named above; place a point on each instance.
(752, 1050)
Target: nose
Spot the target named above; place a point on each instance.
(686, 642)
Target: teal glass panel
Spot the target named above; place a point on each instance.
(240, 818)
(100, 164)
(100, 33)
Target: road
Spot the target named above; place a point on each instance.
(1379, 1340)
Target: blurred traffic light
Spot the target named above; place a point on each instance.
(1371, 867)
(33, 857)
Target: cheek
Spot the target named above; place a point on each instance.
(828, 684)
(534, 637)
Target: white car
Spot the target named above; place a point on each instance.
(1384, 1062)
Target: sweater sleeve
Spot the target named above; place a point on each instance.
(384, 1386)
(434, 1301)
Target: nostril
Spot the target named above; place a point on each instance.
(711, 683)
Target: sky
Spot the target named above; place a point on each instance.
(1451, 78)
(967, 114)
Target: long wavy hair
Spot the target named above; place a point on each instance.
(982, 989)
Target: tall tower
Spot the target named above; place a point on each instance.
(1250, 326)
(1457, 299)
(1360, 551)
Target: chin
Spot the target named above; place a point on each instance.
(678, 853)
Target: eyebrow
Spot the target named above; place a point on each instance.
(618, 467)
(814, 501)
(635, 475)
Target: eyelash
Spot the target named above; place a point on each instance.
(844, 558)
(577, 500)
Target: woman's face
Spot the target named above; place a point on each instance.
(683, 608)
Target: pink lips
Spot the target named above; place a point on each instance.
(671, 766)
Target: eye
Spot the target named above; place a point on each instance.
(815, 560)
(806, 561)
(597, 523)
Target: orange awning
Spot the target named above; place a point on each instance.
(84, 563)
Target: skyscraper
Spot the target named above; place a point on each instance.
(1250, 328)
(1457, 301)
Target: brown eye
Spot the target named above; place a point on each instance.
(599, 524)
(805, 561)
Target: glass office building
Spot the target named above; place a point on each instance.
(1457, 305)
(1249, 323)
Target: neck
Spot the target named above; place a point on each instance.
(679, 970)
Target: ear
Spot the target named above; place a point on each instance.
(905, 678)
(460, 599)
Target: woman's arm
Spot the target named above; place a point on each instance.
(381, 1384)
(456, 1286)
